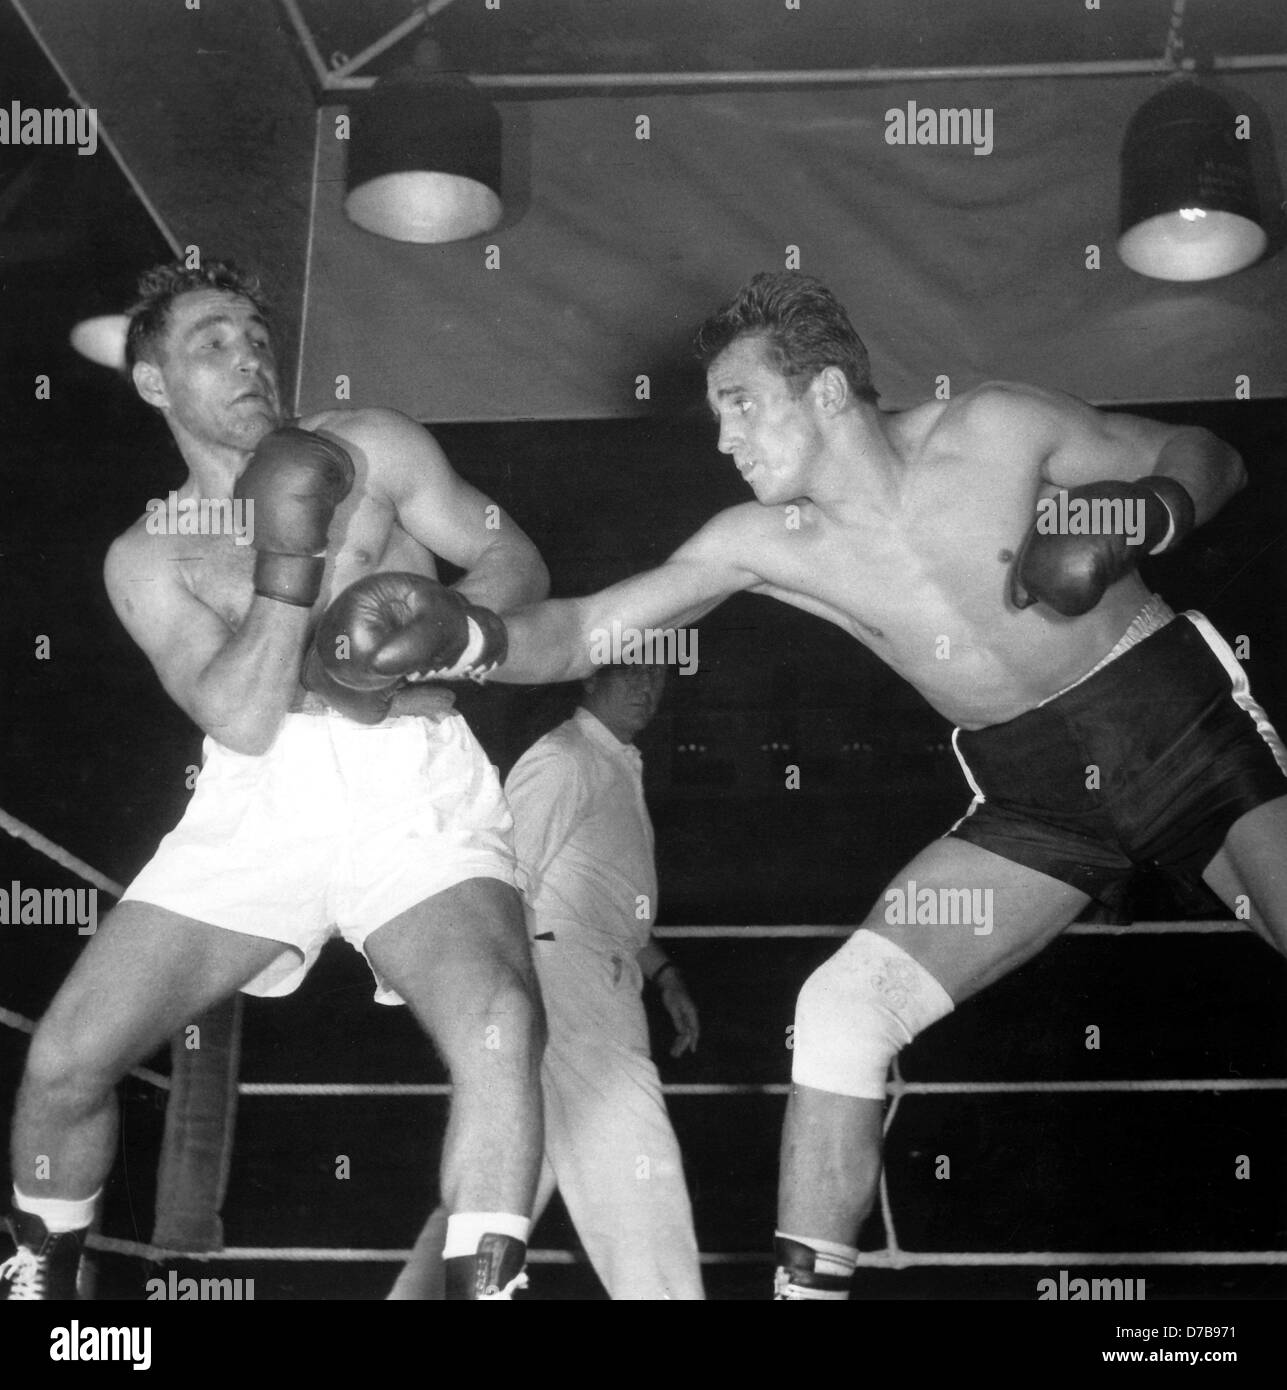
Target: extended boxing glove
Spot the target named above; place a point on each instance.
(295, 481)
(385, 629)
(1087, 538)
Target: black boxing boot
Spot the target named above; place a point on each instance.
(44, 1267)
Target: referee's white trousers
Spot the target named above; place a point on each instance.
(609, 1145)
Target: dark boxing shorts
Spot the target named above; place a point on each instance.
(1146, 763)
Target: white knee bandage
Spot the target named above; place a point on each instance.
(856, 1011)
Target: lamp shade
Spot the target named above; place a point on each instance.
(424, 160)
(1189, 208)
(102, 339)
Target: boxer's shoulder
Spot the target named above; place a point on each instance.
(142, 553)
(338, 420)
(986, 409)
(1026, 416)
(363, 424)
(390, 450)
(997, 430)
(123, 562)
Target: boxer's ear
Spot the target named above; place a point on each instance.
(831, 390)
(150, 384)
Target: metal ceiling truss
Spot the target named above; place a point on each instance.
(344, 74)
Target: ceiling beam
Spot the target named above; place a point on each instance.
(622, 82)
(342, 79)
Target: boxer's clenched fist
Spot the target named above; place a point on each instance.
(1070, 569)
(385, 629)
(295, 480)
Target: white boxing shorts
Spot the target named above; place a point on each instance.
(338, 828)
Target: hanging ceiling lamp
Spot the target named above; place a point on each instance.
(424, 155)
(1189, 206)
(102, 339)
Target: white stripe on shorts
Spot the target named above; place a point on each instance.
(979, 798)
(1241, 687)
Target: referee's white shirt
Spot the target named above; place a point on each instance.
(583, 837)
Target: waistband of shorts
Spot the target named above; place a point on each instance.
(1167, 658)
(1153, 617)
(312, 706)
(391, 721)
(307, 702)
(298, 725)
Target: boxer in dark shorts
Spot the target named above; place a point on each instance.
(987, 549)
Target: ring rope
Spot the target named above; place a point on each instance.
(895, 1088)
(750, 933)
(20, 830)
(25, 1025)
(867, 1259)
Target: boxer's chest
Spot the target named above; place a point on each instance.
(899, 585)
(367, 539)
(220, 572)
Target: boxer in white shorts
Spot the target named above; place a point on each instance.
(333, 794)
(339, 827)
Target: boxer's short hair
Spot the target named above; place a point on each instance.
(159, 287)
(804, 327)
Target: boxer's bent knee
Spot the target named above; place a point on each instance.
(856, 1011)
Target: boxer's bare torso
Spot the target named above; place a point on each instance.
(365, 536)
(901, 528)
(188, 600)
(217, 571)
(921, 578)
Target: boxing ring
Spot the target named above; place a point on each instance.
(903, 1095)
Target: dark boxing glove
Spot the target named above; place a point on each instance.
(385, 629)
(363, 706)
(295, 481)
(1082, 541)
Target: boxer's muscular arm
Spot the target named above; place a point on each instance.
(236, 685)
(436, 507)
(1079, 444)
(555, 640)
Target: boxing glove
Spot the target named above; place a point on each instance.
(385, 629)
(1087, 538)
(369, 706)
(295, 481)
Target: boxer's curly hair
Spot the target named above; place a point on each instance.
(159, 287)
(804, 326)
